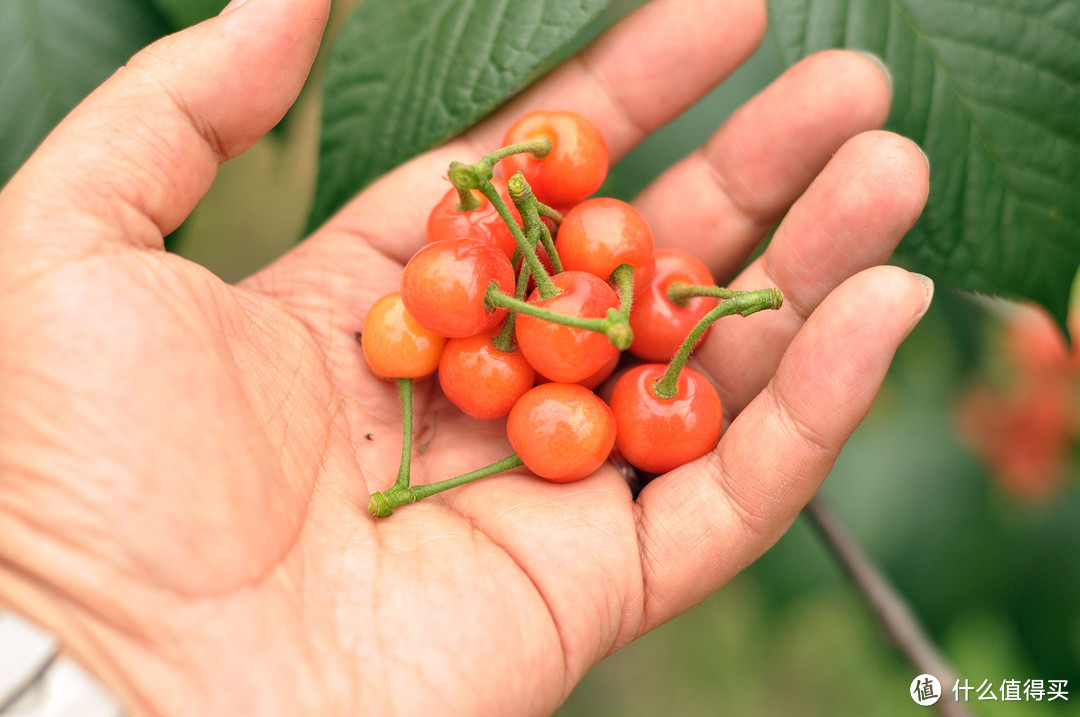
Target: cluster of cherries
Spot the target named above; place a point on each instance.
(524, 299)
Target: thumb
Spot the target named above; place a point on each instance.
(133, 159)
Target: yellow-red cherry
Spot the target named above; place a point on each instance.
(563, 432)
(395, 345)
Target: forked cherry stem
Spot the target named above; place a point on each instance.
(553, 214)
(504, 340)
(383, 504)
(529, 209)
(544, 284)
(743, 303)
(466, 177)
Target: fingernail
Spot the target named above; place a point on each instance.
(233, 4)
(925, 156)
(880, 65)
(928, 289)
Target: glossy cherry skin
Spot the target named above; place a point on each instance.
(660, 325)
(601, 233)
(562, 353)
(594, 380)
(657, 434)
(395, 345)
(481, 380)
(574, 168)
(443, 286)
(446, 221)
(563, 432)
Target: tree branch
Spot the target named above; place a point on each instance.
(891, 609)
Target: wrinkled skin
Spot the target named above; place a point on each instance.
(185, 464)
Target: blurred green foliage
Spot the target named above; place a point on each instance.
(52, 54)
(184, 13)
(991, 91)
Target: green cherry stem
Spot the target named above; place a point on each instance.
(382, 504)
(682, 293)
(623, 276)
(466, 177)
(504, 340)
(553, 214)
(529, 209)
(405, 390)
(615, 326)
(467, 201)
(538, 147)
(743, 303)
(549, 244)
(543, 282)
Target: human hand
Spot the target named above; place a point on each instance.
(185, 465)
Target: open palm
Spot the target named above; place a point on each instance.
(185, 465)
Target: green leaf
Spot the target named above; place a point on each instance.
(406, 75)
(185, 13)
(991, 90)
(52, 54)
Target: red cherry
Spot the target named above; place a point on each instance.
(446, 221)
(591, 382)
(563, 353)
(600, 375)
(443, 286)
(395, 345)
(574, 168)
(602, 233)
(660, 325)
(562, 431)
(481, 380)
(659, 434)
